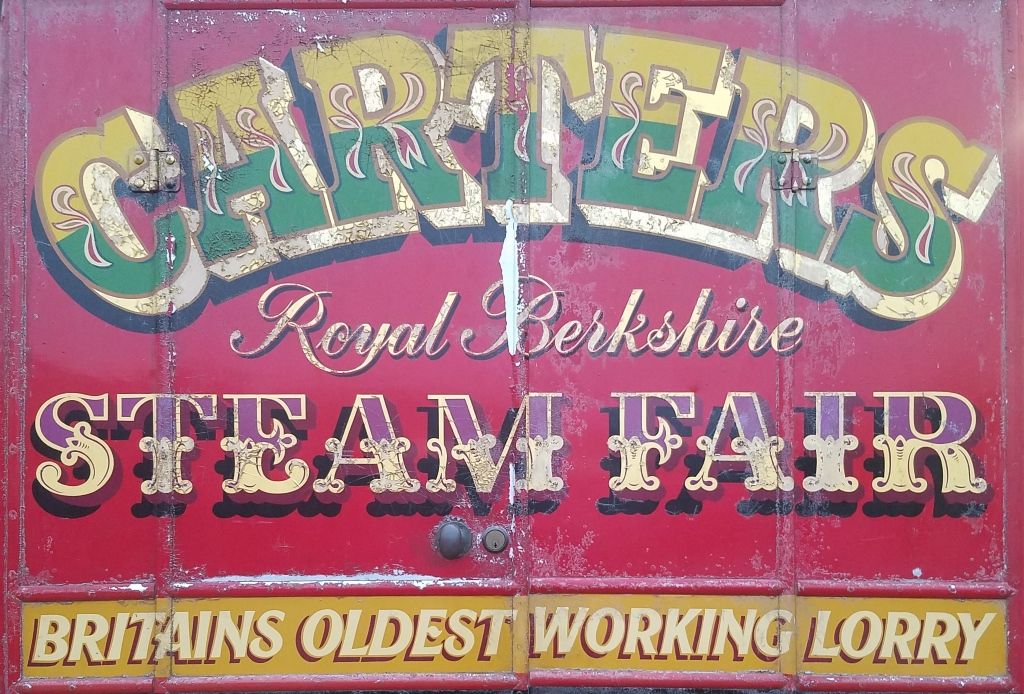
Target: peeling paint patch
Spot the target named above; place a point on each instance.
(509, 262)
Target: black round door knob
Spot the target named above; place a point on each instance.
(453, 539)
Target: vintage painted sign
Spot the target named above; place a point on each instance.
(511, 346)
(225, 636)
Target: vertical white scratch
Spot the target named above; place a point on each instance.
(509, 262)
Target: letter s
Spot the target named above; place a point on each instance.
(77, 445)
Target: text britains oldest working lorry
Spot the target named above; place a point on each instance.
(509, 344)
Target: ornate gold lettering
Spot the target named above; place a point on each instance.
(754, 445)
(386, 448)
(77, 445)
(830, 475)
(635, 440)
(902, 439)
(633, 464)
(539, 450)
(474, 447)
(251, 442)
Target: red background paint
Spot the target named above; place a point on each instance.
(905, 59)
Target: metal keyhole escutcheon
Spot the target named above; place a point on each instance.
(495, 539)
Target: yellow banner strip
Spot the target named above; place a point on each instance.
(501, 634)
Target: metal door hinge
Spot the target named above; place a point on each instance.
(794, 170)
(159, 170)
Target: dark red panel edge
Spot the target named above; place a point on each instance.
(656, 3)
(1013, 384)
(13, 217)
(692, 680)
(675, 585)
(297, 588)
(301, 587)
(761, 680)
(906, 589)
(275, 683)
(932, 685)
(336, 4)
(447, 4)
